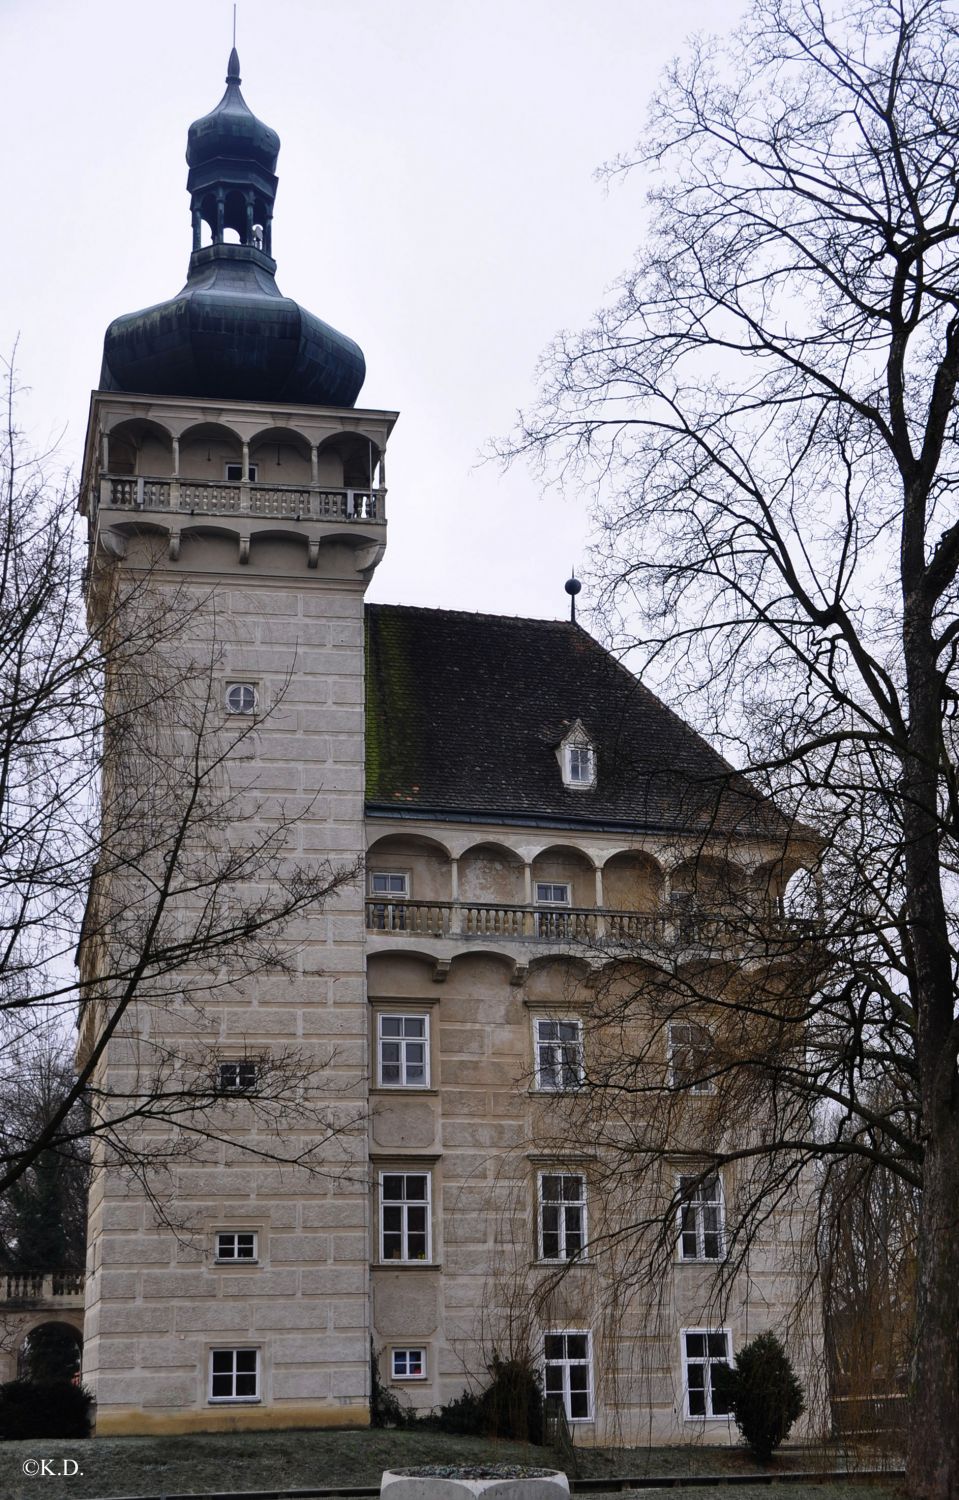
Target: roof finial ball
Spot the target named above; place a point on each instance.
(572, 587)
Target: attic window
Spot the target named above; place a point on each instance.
(579, 764)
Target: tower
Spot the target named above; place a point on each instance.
(235, 497)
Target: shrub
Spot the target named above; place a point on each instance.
(511, 1406)
(762, 1393)
(59, 1409)
(385, 1407)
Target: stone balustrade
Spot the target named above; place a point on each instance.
(205, 497)
(41, 1288)
(566, 925)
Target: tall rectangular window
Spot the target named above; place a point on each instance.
(691, 1061)
(568, 1373)
(234, 1374)
(558, 1047)
(405, 1216)
(704, 1349)
(402, 1044)
(701, 1218)
(562, 1215)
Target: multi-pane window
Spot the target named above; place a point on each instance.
(241, 697)
(236, 1246)
(562, 1215)
(701, 1218)
(552, 893)
(691, 1060)
(580, 765)
(409, 1364)
(704, 1350)
(405, 1216)
(237, 1076)
(234, 1375)
(558, 1047)
(391, 888)
(403, 1051)
(568, 1373)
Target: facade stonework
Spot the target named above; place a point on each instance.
(518, 819)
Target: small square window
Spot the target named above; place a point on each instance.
(236, 1247)
(234, 473)
(241, 697)
(403, 1044)
(237, 1076)
(558, 1047)
(234, 1375)
(408, 1364)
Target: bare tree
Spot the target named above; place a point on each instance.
(771, 406)
(127, 848)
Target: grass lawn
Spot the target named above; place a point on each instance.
(234, 1462)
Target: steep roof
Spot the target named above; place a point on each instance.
(465, 713)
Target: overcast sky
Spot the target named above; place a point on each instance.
(437, 203)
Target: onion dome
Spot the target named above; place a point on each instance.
(230, 332)
(232, 129)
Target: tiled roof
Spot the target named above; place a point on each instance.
(465, 713)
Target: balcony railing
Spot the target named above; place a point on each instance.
(569, 924)
(58, 1287)
(207, 497)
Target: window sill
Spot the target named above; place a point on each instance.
(701, 1260)
(406, 1265)
(567, 1265)
(403, 1088)
(236, 1265)
(234, 1401)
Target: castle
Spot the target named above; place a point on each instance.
(525, 813)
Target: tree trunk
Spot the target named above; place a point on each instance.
(933, 1458)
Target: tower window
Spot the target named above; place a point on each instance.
(241, 697)
(238, 1076)
(403, 1050)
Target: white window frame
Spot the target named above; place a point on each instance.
(565, 1364)
(403, 894)
(248, 1066)
(562, 1228)
(696, 1207)
(579, 748)
(707, 1361)
(235, 1235)
(675, 1047)
(403, 1082)
(404, 1204)
(552, 885)
(541, 1043)
(234, 1399)
(245, 686)
(237, 478)
(406, 1351)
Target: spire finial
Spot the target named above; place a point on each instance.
(233, 68)
(572, 587)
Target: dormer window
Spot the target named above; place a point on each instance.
(577, 759)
